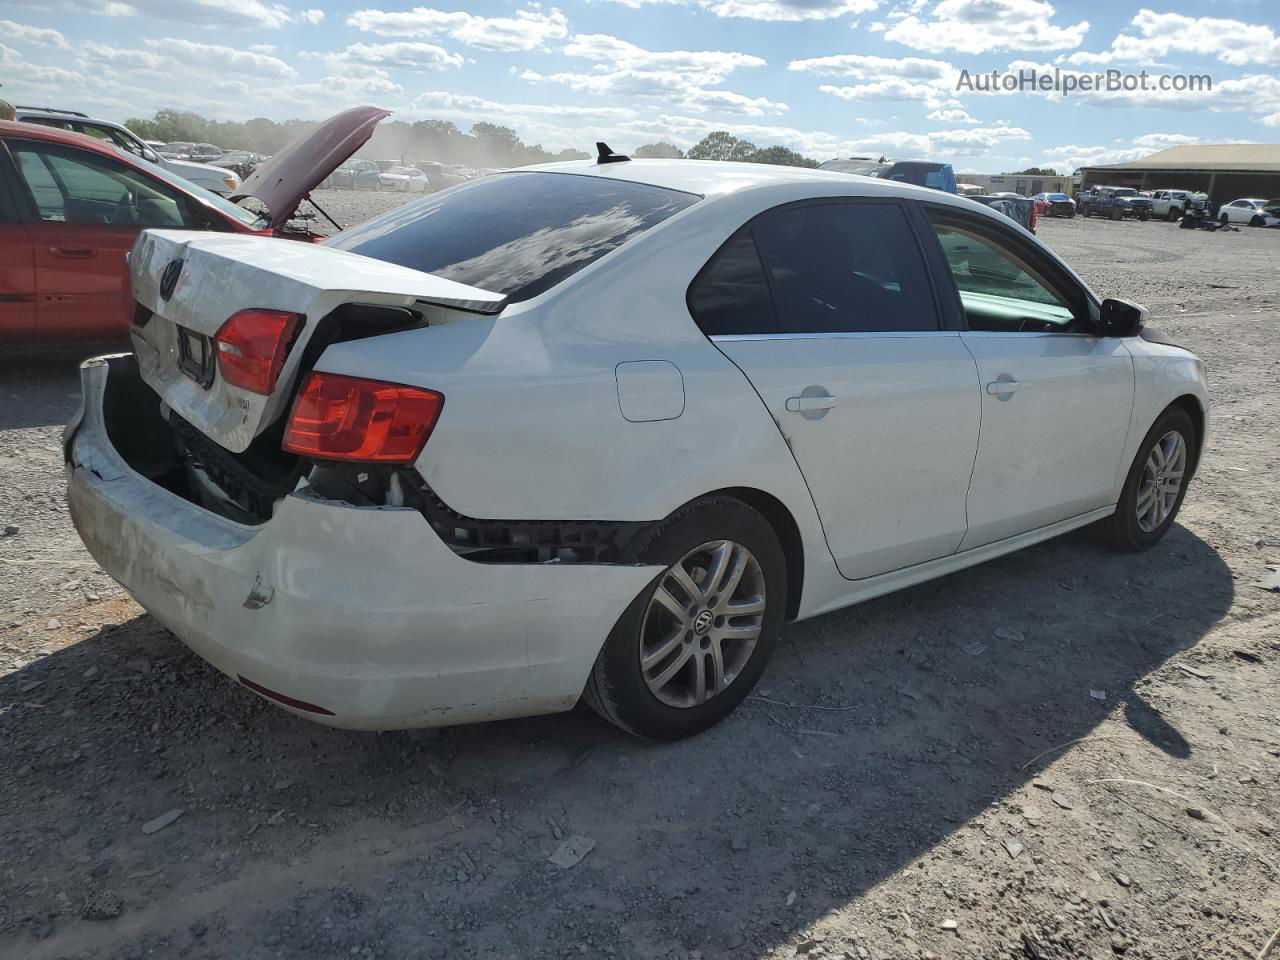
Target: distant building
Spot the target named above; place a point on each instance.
(1025, 186)
(1225, 171)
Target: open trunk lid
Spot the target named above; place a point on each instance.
(286, 179)
(189, 283)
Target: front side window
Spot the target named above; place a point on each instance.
(845, 268)
(1000, 290)
(74, 186)
(518, 234)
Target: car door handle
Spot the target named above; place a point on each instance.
(804, 404)
(1002, 388)
(74, 250)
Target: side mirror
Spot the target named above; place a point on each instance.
(1120, 318)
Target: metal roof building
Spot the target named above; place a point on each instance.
(1226, 171)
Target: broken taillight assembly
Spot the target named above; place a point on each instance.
(252, 347)
(336, 417)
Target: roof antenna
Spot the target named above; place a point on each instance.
(605, 155)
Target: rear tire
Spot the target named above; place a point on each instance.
(679, 623)
(1223, 219)
(1148, 505)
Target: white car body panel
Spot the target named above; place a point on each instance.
(445, 640)
(1035, 463)
(902, 427)
(260, 273)
(204, 175)
(599, 400)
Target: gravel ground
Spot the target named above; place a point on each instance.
(930, 774)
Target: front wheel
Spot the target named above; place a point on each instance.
(1256, 221)
(1223, 219)
(691, 646)
(1155, 486)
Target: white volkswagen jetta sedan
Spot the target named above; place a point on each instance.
(599, 429)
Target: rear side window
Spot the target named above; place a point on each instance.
(518, 234)
(845, 268)
(731, 294)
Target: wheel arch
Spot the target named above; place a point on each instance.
(1190, 404)
(788, 532)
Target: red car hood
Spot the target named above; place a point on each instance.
(284, 181)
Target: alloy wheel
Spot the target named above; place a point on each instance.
(1161, 481)
(702, 623)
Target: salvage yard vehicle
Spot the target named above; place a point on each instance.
(404, 179)
(1171, 204)
(1115, 203)
(216, 180)
(598, 429)
(71, 207)
(355, 175)
(936, 176)
(1255, 213)
(1057, 205)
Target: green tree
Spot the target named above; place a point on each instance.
(721, 145)
(1034, 172)
(782, 156)
(660, 150)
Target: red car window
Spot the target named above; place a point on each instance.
(78, 187)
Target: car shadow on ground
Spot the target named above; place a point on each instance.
(40, 388)
(877, 734)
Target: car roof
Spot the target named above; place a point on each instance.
(38, 131)
(709, 178)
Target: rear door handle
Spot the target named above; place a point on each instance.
(805, 404)
(1002, 388)
(74, 250)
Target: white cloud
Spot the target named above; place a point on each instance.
(40, 36)
(789, 10)
(210, 13)
(213, 55)
(311, 16)
(772, 10)
(979, 26)
(863, 67)
(529, 29)
(952, 115)
(688, 79)
(405, 54)
(1273, 120)
(1156, 35)
(121, 57)
(1255, 93)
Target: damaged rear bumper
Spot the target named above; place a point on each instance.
(356, 617)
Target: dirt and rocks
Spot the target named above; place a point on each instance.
(1062, 754)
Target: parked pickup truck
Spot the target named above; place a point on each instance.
(1115, 203)
(1171, 204)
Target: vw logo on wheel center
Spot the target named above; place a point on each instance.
(702, 622)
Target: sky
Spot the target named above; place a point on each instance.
(824, 77)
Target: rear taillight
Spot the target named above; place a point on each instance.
(252, 346)
(350, 418)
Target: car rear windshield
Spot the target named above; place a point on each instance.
(517, 234)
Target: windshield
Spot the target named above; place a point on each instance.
(208, 197)
(1058, 196)
(518, 234)
(407, 171)
(1125, 192)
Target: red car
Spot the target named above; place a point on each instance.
(71, 207)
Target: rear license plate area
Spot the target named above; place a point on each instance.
(195, 356)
